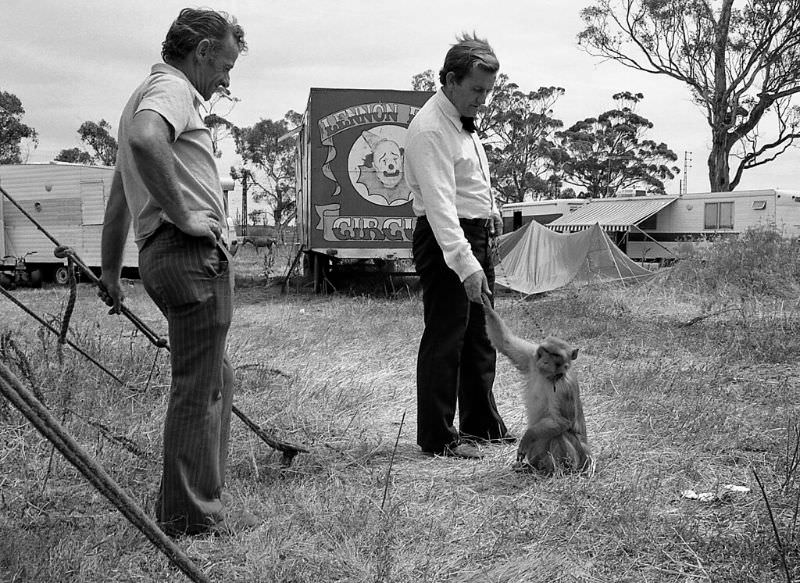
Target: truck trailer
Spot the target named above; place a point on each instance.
(353, 202)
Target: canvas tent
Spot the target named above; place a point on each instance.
(536, 259)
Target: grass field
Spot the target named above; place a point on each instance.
(689, 381)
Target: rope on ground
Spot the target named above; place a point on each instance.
(48, 426)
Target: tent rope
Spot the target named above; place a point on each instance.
(288, 450)
(73, 294)
(40, 417)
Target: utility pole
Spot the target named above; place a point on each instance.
(687, 163)
(244, 202)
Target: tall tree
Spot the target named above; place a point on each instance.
(270, 163)
(518, 128)
(97, 136)
(610, 152)
(740, 64)
(218, 122)
(74, 156)
(425, 81)
(12, 130)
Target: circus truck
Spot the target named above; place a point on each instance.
(353, 203)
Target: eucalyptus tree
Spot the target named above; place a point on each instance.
(97, 136)
(518, 129)
(740, 63)
(425, 81)
(268, 163)
(12, 130)
(74, 156)
(610, 152)
(220, 107)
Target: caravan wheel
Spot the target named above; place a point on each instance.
(61, 275)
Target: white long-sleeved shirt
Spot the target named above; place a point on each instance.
(448, 173)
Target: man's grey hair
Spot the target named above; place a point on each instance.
(195, 25)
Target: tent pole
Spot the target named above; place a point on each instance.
(654, 241)
(616, 266)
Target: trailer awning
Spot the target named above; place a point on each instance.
(612, 214)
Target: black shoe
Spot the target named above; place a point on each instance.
(233, 522)
(460, 450)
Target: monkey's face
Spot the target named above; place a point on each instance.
(554, 358)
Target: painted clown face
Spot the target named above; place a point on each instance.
(387, 159)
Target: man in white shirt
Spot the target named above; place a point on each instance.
(447, 170)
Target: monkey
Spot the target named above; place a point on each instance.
(555, 439)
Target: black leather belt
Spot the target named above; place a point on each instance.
(485, 223)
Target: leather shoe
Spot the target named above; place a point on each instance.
(460, 450)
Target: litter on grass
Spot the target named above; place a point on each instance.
(721, 492)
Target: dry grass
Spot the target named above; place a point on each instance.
(669, 407)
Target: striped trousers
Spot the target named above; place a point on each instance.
(191, 281)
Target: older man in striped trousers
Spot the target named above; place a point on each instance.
(166, 181)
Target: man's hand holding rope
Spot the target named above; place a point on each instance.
(110, 291)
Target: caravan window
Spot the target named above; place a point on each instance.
(719, 215)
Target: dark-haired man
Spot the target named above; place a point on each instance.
(447, 170)
(166, 180)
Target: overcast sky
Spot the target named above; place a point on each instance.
(72, 61)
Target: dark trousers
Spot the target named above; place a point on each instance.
(456, 361)
(191, 282)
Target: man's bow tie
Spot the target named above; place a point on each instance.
(468, 123)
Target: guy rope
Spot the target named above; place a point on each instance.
(51, 429)
(39, 416)
(289, 451)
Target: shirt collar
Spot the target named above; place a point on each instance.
(166, 69)
(448, 109)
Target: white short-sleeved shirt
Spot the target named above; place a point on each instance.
(448, 173)
(169, 93)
